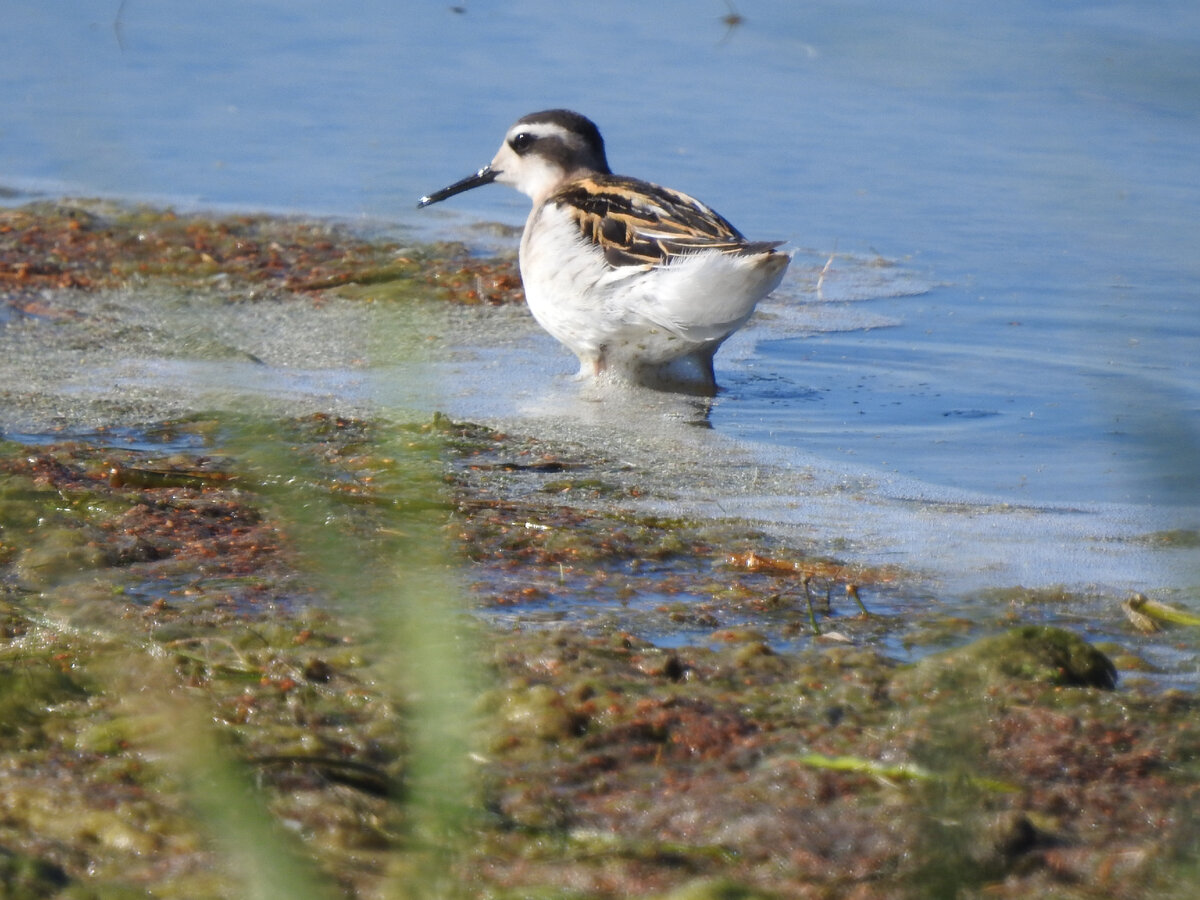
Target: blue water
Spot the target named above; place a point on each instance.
(1036, 163)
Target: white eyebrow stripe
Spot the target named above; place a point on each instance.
(537, 129)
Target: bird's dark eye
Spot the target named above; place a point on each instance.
(522, 142)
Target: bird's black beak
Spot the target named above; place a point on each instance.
(486, 175)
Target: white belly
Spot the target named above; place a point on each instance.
(631, 317)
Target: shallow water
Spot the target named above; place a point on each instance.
(1011, 402)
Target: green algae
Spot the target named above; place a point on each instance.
(901, 772)
(1176, 538)
(24, 877)
(29, 686)
(1150, 615)
(1033, 653)
(717, 889)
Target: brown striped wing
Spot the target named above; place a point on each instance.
(637, 223)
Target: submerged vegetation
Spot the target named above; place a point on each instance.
(95, 245)
(320, 656)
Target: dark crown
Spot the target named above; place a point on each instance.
(589, 151)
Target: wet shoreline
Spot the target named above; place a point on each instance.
(661, 698)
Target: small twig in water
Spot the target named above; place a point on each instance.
(812, 615)
(824, 272)
(852, 592)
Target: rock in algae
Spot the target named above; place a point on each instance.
(716, 890)
(1029, 653)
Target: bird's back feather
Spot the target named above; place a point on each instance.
(637, 223)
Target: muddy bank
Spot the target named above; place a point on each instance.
(618, 702)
